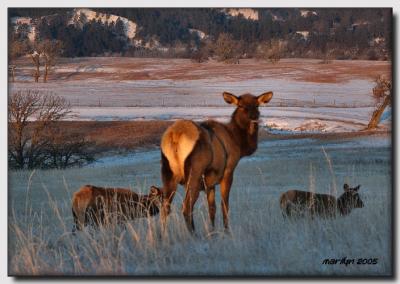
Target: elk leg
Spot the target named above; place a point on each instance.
(169, 189)
(192, 193)
(226, 184)
(211, 205)
(77, 225)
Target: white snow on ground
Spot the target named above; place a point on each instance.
(348, 105)
(204, 92)
(297, 105)
(323, 119)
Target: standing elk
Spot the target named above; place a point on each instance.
(297, 202)
(93, 205)
(202, 155)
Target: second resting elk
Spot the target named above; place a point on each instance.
(297, 202)
(93, 205)
(203, 155)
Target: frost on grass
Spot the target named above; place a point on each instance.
(262, 242)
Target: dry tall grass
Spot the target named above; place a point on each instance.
(262, 242)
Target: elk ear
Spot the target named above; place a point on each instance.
(357, 188)
(264, 98)
(346, 187)
(230, 98)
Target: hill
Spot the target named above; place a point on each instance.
(171, 32)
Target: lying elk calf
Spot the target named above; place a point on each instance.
(296, 202)
(203, 155)
(93, 205)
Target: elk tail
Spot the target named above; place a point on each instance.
(178, 143)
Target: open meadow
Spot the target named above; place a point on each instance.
(261, 242)
(311, 138)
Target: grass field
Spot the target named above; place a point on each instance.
(261, 242)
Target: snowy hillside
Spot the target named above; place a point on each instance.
(79, 17)
(249, 14)
(82, 16)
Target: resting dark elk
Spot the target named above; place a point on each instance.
(202, 155)
(296, 202)
(93, 205)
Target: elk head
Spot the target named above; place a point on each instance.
(154, 200)
(349, 199)
(247, 113)
(155, 194)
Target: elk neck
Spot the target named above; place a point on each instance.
(244, 134)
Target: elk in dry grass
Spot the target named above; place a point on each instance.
(297, 203)
(203, 155)
(95, 206)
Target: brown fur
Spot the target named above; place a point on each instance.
(98, 205)
(203, 155)
(297, 202)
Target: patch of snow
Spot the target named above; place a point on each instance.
(129, 26)
(247, 13)
(277, 18)
(304, 34)
(307, 13)
(275, 119)
(199, 33)
(379, 39)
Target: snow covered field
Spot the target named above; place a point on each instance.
(294, 119)
(308, 96)
(262, 242)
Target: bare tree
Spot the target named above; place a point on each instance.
(272, 50)
(383, 94)
(328, 53)
(16, 49)
(35, 56)
(66, 150)
(202, 52)
(226, 48)
(49, 50)
(29, 113)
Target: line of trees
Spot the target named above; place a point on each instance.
(327, 33)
